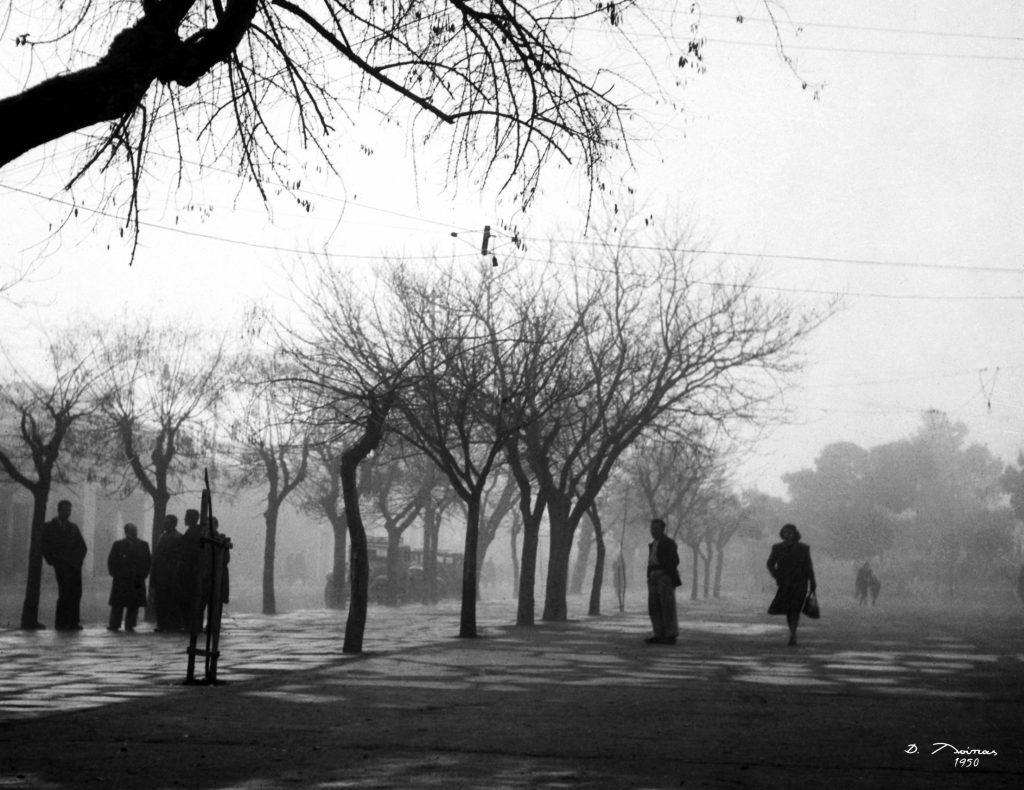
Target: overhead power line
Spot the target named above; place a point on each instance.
(774, 255)
(223, 239)
(788, 46)
(605, 245)
(743, 18)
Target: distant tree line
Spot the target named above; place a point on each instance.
(942, 514)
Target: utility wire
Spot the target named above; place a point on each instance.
(863, 28)
(224, 239)
(542, 261)
(780, 256)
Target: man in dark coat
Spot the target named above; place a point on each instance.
(64, 548)
(662, 580)
(789, 563)
(164, 581)
(188, 571)
(128, 563)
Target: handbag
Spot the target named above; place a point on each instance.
(811, 606)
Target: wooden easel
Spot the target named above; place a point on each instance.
(207, 597)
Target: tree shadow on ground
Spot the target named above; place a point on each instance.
(583, 704)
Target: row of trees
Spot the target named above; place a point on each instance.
(486, 387)
(548, 378)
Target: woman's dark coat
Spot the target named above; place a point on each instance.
(128, 562)
(790, 566)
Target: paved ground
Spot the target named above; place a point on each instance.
(581, 704)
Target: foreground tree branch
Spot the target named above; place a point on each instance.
(147, 51)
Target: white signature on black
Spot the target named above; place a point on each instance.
(964, 758)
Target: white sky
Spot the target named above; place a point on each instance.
(902, 188)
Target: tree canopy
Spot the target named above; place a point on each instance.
(260, 84)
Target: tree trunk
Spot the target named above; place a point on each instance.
(391, 590)
(337, 587)
(719, 564)
(595, 589)
(428, 591)
(467, 620)
(269, 554)
(707, 571)
(431, 529)
(526, 611)
(34, 580)
(555, 606)
(355, 627)
(512, 533)
(696, 572)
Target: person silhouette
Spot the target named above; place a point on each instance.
(164, 579)
(790, 565)
(64, 548)
(662, 580)
(128, 563)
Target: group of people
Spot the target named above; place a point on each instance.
(176, 566)
(175, 570)
(789, 563)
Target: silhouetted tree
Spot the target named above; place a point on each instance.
(322, 497)
(496, 81)
(157, 395)
(270, 447)
(38, 415)
(399, 484)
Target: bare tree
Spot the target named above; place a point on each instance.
(535, 369)
(400, 485)
(38, 416)
(158, 393)
(322, 497)
(660, 344)
(441, 501)
(499, 500)
(270, 448)
(498, 82)
(378, 409)
(676, 480)
(349, 380)
(452, 406)
(594, 514)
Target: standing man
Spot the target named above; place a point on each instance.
(189, 558)
(163, 585)
(128, 562)
(64, 548)
(662, 580)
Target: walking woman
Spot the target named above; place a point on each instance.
(790, 565)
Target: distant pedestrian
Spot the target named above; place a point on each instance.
(662, 580)
(865, 576)
(128, 563)
(789, 563)
(619, 577)
(163, 584)
(64, 548)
